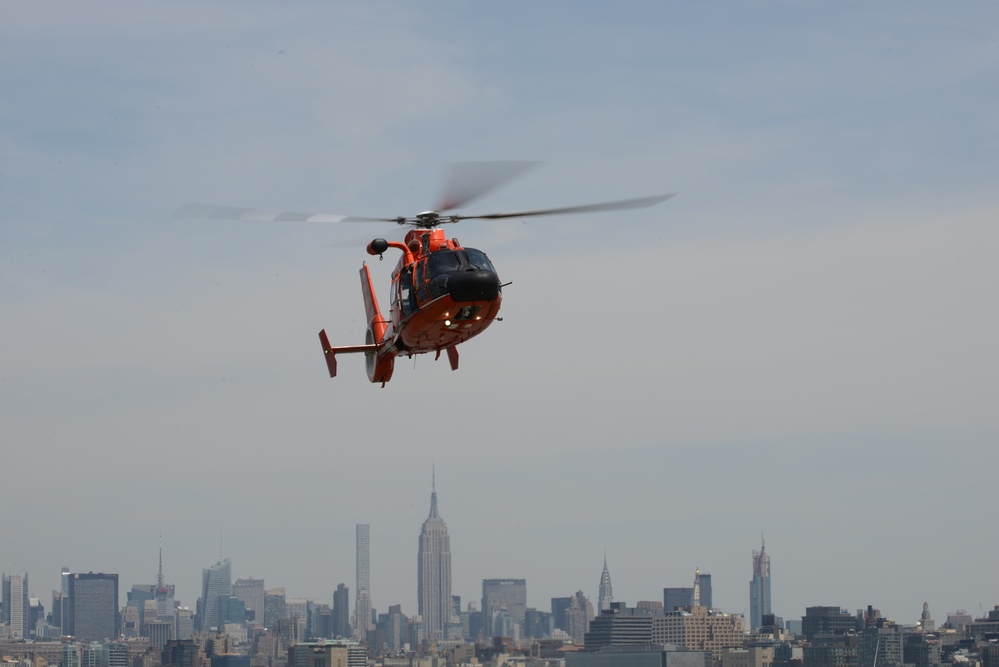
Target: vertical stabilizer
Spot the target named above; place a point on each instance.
(376, 323)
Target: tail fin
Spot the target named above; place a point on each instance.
(376, 323)
(379, 367)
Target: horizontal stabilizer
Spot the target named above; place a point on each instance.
(330, 352)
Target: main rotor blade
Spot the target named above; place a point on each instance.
(466, 181)
(641, 202)
(221, 212)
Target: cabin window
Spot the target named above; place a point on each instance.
(406, 292)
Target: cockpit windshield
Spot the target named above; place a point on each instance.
(442, 261)
(478, 259)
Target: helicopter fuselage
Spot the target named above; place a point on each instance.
(442, 294)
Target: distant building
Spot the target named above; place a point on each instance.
(984, 626)
(185, 623)
(578, 617)
(362, 606)
(16, 606)
(926, 623)
(675, 598)
(828, 650)
(92, 607)
(700, 629)
(958, 620)
(881, 646)
(337, 653)
(924, 650)
(698, 595)
(216, 583)
(752, 656)
(654, 607)
(274, 607)
(759, 587)
(499, 595)
(395, 628)
(231, 610)
(702, 589)
(434, 572)
(181, 653)
(341, 612)
(251, 592)
(606, 591)
(619, 626)
(537, 624)
(826, 621)
(560, 610)
(639, 656)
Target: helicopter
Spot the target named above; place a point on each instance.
(442, 293)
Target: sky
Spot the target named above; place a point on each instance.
(801, 345)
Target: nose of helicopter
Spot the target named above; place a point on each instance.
(473, 285)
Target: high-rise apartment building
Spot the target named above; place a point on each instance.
(434, 572)
(91, 611)
(16, 605)
(606, 594)
(362, 605)
(759, 587)
(216, 583)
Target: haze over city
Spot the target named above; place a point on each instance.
(801, 343)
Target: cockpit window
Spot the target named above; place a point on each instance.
(478, 259)
(442, 261)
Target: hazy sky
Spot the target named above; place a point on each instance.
(802, 342)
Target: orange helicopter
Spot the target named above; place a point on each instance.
(442, 293)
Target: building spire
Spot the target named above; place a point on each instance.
(159, 575)
(606, 591)
(433, 497)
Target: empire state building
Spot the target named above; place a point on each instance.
(434, 572)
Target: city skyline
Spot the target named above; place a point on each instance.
(800, 340)
(213, 581)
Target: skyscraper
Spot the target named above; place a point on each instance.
(362, 606)
(675, 597)
(499, 596)
(251, 592)
(579, 615)
(341, 612)
(216, 583)
(704, 588)
(16, 605)
(759, 587)
(92, 607)
(606, 591)
(434, 571)
(274, 607)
